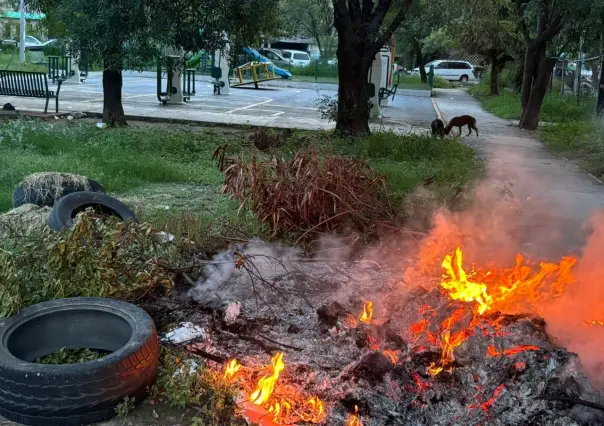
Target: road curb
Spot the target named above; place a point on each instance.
(438, 113)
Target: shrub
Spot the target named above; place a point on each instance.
(95, 258)
(308, 192)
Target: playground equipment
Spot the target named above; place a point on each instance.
(219, 70)
(255, 68)
(180, 82)
(254, 54)
(67, 69)
(379, 76)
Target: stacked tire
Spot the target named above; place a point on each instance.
(68, 195)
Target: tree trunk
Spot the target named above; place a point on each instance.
(529, 72)
(419, 59)
(494, 75)
(353, 106)
(600, 88)
(599, 80)
(113, 111)
(530, 114)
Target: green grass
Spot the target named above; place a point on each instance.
(405, 160)
(555, 108)
(581, 140)
(168, 174)
(10, 60)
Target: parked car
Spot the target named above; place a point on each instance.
(450, 70)
(275, 56)
(297, 57)
(31, 43)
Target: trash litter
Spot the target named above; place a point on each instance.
(101, 125)
(186, 332)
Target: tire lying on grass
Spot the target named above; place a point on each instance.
(83, 393)
(44, 189)
(67, 208)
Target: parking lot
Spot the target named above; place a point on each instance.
(279, 103)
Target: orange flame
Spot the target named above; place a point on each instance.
(492, 290)
(280, 410)
(266, 384)
(492, 351)
(488, 404)
(487, 291)
(314, 410)
(367, 313)
(231, 369)
(353, 419)
(594, 323)
(393, 355)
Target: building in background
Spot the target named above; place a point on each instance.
(9, 23)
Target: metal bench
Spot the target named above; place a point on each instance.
(28, 84)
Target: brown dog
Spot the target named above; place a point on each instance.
(459, 122)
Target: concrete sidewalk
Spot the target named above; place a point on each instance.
(556, 197)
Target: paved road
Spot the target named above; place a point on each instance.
(277, 104)
(556, 198)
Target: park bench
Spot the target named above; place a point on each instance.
(28, 84)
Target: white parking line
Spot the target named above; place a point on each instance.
(249, 106)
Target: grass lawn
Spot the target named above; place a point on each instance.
(167, 171)
(555, 108)
(581, 140)
(573, 131)
(10, 60)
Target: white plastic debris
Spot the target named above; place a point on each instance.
(231, 312)
(101, 125)
(186, 332)
(70, 117)
(164, 237)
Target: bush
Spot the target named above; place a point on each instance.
(320, 69)
(95, 258)
(308, 192)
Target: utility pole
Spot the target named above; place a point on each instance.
(22, 31)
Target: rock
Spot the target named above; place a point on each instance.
(331, 312)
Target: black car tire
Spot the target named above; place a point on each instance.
(464, 79)
(83, 393)
(41, 197)
(66, 209)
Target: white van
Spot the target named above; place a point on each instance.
(450, 70)
(296, 57)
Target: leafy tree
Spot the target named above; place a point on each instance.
(132, 33)
(310, 18)
(363, 28)
(489, 29)
(549, 18)
(426, 29)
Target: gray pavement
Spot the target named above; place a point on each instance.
(555, 196)
(278, 103)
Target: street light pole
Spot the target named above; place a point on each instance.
(22, 31)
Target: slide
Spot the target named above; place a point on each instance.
(258, 57)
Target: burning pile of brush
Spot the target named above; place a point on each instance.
(471, 351)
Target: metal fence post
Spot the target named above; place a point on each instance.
(431, 77)
(316, 70)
